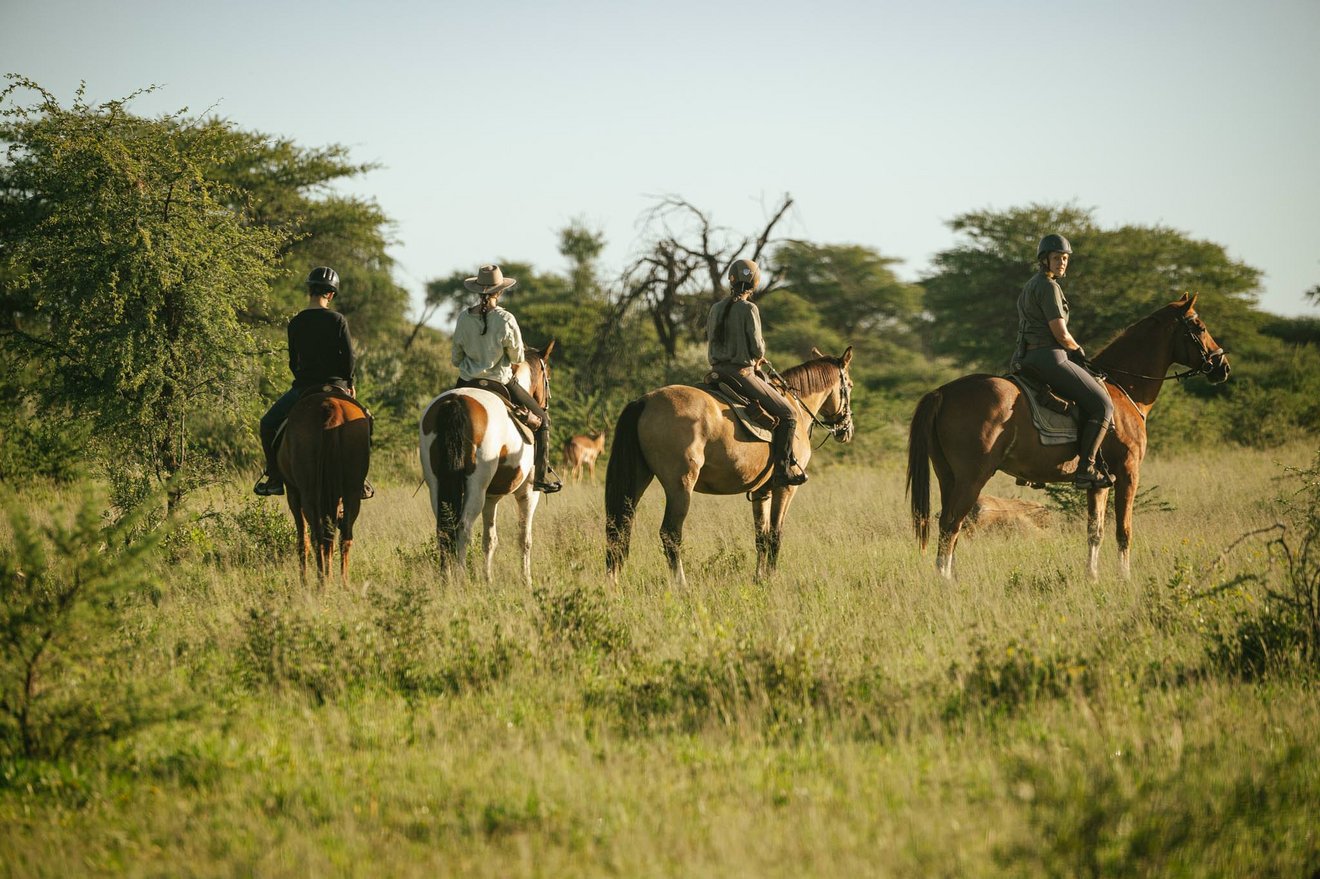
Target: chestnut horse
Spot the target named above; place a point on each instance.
(689, 440)
(977, 424)
(324, 457)
(473, 456)
(581, 452)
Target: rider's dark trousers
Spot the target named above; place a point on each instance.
(1074, 382)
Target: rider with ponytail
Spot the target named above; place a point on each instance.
(1045, 344)
(735, 349)
(486, 344)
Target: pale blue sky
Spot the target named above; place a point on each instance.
(497, 122)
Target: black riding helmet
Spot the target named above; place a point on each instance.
(1051, 244)
(323, 278)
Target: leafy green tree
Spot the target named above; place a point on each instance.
(853, 287)
(1116, 277)
(126, 271)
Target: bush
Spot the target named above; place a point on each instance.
(63, 670)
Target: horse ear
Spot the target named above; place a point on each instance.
(847, 356)
(1192, 303)
(816, 352)
(550, 346)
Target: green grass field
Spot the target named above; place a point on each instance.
(855, 715)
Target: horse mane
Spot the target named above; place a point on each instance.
(820, 374)
(1134, 335)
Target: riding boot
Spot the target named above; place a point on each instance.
(1088, 447)
(271, 482)
(541, 481)
(787, 470)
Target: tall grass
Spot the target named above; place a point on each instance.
(854, 715)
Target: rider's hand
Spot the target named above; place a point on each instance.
(1078, 355)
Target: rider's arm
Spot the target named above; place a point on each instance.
(348, 359)
(513, 342)
(755, 341)
(1059, 327)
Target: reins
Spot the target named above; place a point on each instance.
(840, 426)
(1204, 367)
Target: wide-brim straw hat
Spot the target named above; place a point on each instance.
(489, 280)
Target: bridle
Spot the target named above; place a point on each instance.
(1188, 322)
(838, 425)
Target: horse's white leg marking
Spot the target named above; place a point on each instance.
(527, 499)
(489, 538)
(1096, 501)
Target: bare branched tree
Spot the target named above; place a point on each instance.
(684, 264)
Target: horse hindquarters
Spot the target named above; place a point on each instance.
(626, 479)
(448, 461)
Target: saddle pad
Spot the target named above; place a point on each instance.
(1054, 429)
(755, 432)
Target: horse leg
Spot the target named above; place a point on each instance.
(678, 498)
(489, 539)
(527, 501)
(348, 515)
(761, 527)
(958, 494)
(1125, 493)
(300, 525)
(473, 502)
(1096, 501)
(779, 502)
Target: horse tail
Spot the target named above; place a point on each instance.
(329, 478)
(453, 459)
(921, 442)
(626, 478)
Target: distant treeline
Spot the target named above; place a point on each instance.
(148, 267)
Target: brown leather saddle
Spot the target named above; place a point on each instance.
(526, 421)
(1041, 391)
(759, 423)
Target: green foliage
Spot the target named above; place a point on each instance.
(1280, 629)
(1115, 278)
(1119, 813)
(64, 671)
(853, 288)
(126, 270)
(579, 619)
(1005, 678)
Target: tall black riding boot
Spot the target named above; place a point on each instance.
(1088, 447)
(787, 471)
(541, 481)
(272, 481)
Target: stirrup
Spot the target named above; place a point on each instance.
(1093, 478)
(267, 487)
(547, 487)
(784, 476)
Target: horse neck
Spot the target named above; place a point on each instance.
(1145, 349)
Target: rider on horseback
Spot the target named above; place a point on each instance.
(486, 345)
(320, 353)
(1045, 344)
(736, 349)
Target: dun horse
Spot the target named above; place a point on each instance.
(324, 458)
(690, 441)
(977, 424)
(581, 452)
(473, 456)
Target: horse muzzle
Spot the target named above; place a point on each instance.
(1219, 369)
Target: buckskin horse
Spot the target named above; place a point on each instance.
(977, 424)
(473, 456)
(690, 441)
(324, 457)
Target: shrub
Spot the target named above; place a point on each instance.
(63, 671)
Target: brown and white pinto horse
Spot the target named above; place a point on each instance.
(473, 456)
(324, 458)
(581, 452)
(977, 424)
(690, 441)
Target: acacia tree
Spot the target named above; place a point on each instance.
(125, 266)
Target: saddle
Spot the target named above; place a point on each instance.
(523, 418)
(1057, 420)
(334, 391)
(758, 423)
